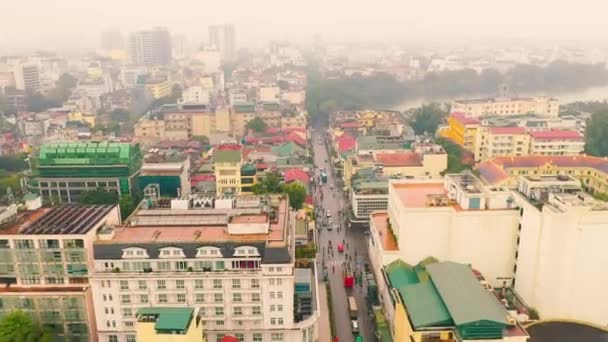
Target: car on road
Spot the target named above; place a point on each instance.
(331, 186)
(328, 213)
(354, 325)
(329, 226)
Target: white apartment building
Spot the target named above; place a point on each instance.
(507, 106)
(561, 252)
(45, 263)
(196, 95)
(556, 143)
(233, 260)
(545, 239)
(456, 219)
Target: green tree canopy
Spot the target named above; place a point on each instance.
(19, 327)
(427, 118)
(596, 134)
(296, 193)
(257, 124)
(270, 184)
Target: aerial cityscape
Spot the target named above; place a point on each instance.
(306, 172)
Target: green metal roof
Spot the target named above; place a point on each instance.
(244, 107)
(424, 305)
(91, 153)
(466, 300)
(401, 274)
(301, 227)
(287, 149)
(169, 319)
(227, 156)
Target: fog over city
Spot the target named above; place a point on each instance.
(74, 22)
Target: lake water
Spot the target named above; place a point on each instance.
(589, 94)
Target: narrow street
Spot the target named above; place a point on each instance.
(355, 240)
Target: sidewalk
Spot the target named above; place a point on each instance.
(324, 328)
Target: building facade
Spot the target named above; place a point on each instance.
(236, 267)
(507, 106)
(62, 172)
(150, 47)
(223, 38)
(45, 263)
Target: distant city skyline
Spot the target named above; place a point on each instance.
(67, 21)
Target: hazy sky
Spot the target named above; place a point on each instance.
(35, 21)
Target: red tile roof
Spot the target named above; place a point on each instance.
(399, 159)
(507, 130)
(346, 143)
(557, 134)
(296, 174)
(228, 147)
(464, 118)
(296, 138)
(194, 180)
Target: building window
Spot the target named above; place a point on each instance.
(217, 283)
(164, 265)
(257, 337)
(142, 285)
(127, 312)
(237, 297)
(24, 244)
(280, 321)
(219, 311)
(276, 337)
(179, 284)
(199, 297)
(219, 322)
(162, 298)
(181, 297)
(198, 284)
(272, 294)
(279, 282)
(125, 299)
(129, 324)
(131, 338)
(240, 337)
(143, 299)
(236, 283)
(280, 295)
(255, 297)
(161, 284)
(256, 310)
(219, 337)
(124, 285)
(112, 338)
(273, 321)
(279, 308)
(255, 283)
(218, 298)
(237, 311)
(181, 265)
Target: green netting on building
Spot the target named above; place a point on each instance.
(74, 159)
(168, 184)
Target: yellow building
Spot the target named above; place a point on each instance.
(508, 106)
(222, 120)
(462, 130)
(591, 171)
(227, 165)
(158, 87)
(150, 127)
(241, 114)
(164, 324)
(118, 55)
(501, 141)
(90, 119)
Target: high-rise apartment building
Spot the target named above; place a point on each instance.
(150, 47)
(223, 38)
(27, 77)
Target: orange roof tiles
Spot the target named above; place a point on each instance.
(556, 134)
(381, 225)
(399, 159)
(464, 119)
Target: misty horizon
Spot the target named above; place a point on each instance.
(58, 25)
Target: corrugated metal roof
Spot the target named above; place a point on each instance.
(424, 305)
(466, 300)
